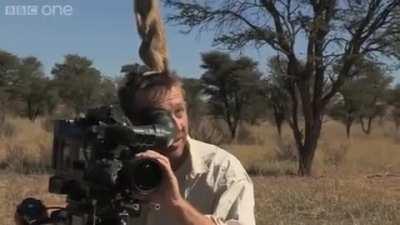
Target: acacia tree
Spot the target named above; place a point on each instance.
(194, 99)
(373, 85)
(33, 89)
(275, 91)
(229, 85)
(362, 97)
(22, 81)
(394, 101)
(8, 70)
(8, 67)
(107, 91)
(78, 82)
(325, 31)
(346, 109)
(255, 113)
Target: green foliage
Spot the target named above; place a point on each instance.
(201, 126)
(329, 32)
(107, 91)
(257, 111)
(8, 69)
(25, 84)
(363, 97)
(28, 92)
(372, 96)
(80, 84)
(194, 97)
(276, 90)
(229, 86)
(394, 96)
(394, 101)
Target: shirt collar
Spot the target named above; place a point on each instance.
(197, 164)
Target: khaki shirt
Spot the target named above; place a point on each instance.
(215, 183)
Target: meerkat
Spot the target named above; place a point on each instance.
(153, 49)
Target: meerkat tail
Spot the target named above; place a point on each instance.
(153, 49)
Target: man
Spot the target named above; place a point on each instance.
(202, 184)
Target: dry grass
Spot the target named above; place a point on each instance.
(356, 181)
(28, 149)
(364, 154)
(327, 201)
(15, 187)
(279, 201)
(336, 154)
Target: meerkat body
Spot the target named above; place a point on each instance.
(153, 49)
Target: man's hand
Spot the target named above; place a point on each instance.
(168, 193)
(169, 196)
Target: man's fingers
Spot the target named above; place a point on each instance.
(150, 153)
(160, 159)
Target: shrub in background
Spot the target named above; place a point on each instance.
(6, 129)
(26, 147)
(285, 149)
(335, 155)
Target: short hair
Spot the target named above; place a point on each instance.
(141, 79)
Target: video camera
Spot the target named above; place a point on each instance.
(95, 166)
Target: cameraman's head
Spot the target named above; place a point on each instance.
(143, 90)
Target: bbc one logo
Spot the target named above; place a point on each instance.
(36, 10)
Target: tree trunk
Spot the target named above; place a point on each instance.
(349, 124)
(307, 151)
(30, 111)
(279, 128)
(366, 129)
(233, 133)
(278, 122)
(2, 114)
(279, 118)
(233, 127)
(306, 139)
(348, 128)
(305, 161)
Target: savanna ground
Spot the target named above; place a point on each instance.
(355, 181)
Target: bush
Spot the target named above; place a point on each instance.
(272, 168)
(245, 136)
(25, 145)
(335, 155)
(47, 124)
(7, 129)
(208, 130)
(285, 150)
(392, 133)
(19, 161)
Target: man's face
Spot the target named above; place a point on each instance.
(173, 101)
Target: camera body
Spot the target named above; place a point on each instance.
(95, 165)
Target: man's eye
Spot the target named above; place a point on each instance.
(179, 112)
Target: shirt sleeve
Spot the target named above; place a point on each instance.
(236, 204)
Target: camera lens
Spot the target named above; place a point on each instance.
(147, 176)
(31, 209)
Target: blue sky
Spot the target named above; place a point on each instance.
(102, 30)
(98, 29)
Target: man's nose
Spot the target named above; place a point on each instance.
(178, 123)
